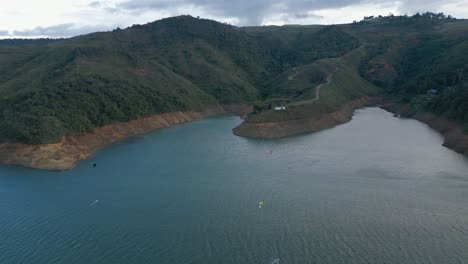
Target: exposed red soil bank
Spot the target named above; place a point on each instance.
(71, 149)
(294, 127)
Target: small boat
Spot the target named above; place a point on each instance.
(260, 204)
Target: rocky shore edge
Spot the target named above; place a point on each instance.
(71, 149)
(454, 134)
(65, 154)
(281, 129)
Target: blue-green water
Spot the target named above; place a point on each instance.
(376, 190)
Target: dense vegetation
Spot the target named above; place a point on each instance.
(26, 42)
(427, 68)
(49, 88)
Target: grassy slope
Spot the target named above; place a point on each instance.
(345, 85)
(406, 57)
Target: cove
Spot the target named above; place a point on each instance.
(378, 189)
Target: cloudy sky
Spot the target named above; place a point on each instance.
(63, 18)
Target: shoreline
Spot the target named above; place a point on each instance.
(70, 150)
(454, 137)
(282, 129)
(452, 132)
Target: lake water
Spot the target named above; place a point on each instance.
(376, 190)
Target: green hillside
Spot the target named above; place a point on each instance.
(433, 57)
(77, 84)
(400, 57)
(338, 80)
(52, 88)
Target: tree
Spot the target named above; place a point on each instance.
(460, 75)
(258, 106)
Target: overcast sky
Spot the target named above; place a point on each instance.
(64, 18)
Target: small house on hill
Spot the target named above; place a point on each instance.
(280, 108)
(280, 104)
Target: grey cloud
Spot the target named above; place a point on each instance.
(61, 30)
(95, 4)
(249, 12)
(103, 6)
(111, 9)
(414, 6)
(304, 15)
(301, 15)
(252, 12)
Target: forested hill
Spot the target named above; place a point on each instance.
(179, 63)
(423, 63)
(50, 89)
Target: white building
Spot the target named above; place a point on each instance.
(280, 108)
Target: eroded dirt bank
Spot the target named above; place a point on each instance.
(300, 126)
(71, 149)
(454, 138)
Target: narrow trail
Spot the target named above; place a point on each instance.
(329, 75)
(290, 78)
(318, 87)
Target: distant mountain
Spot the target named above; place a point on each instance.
(74, 85)
(27, 42)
